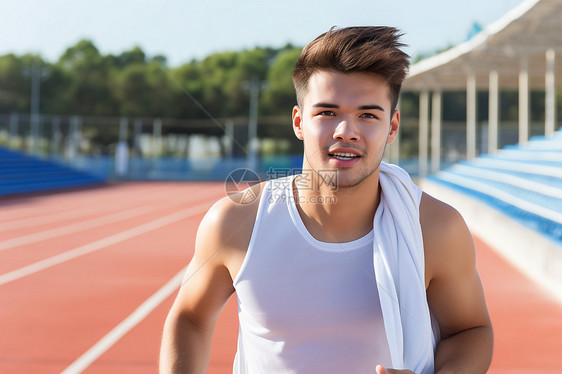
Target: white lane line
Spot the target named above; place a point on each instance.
(90, 224)
(125, 326)
(48, 216)
(102, 243)
(73, 228)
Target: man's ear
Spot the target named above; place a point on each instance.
(394, 125)
(297, 122)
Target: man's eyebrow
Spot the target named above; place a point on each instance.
(325, 105)
(375, 107)
(335, 106)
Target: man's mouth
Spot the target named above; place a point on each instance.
(343, 156)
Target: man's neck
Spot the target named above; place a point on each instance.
(338, 214)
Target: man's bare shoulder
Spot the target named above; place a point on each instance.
(447, 240)
(438, 217)
(226, 229)
(235, 209)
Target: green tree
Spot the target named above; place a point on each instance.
(83, 81)
(280, 95)
(250, 65)
(142, 90)
(218, 83)
(52, 90)
(88, 90)
(15, 88)
(132, 90)
(134, 56)
(186, 87)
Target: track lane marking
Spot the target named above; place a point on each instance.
(85, 225)
(107, 207)
(73, 228)
(52, 206)
(125, 326)
(43, 219)
(102, 243)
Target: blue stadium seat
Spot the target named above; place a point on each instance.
(20, 173)
(522, 181)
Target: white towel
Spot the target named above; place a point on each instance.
(400, 272)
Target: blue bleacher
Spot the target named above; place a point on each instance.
(522, 181)
(20, 173)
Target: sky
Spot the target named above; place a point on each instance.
(183, 30)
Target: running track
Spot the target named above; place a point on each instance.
(87, 278)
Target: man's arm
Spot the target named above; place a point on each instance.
(454, 291)
(206, 287)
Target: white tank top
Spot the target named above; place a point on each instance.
(305, 306)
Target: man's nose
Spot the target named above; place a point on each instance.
(346, 131)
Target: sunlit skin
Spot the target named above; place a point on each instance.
(344, 113)
(350, 113)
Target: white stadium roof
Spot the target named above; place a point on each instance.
(524, 34)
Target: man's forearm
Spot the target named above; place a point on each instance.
(185, 347)
(468, 351)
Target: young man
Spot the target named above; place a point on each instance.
(347, 267)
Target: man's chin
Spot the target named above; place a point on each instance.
(341, 185)
(342, 181)
(348, 179)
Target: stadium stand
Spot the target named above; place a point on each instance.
(20, 173)
(512, 200)
(522, 181)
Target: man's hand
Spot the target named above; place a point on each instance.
(382, 370)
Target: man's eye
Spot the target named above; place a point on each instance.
(367, 115)
(326, 113)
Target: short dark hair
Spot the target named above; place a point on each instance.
(359, 49)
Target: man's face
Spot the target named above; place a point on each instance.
(345, 124)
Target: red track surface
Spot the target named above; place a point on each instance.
(125, 251)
